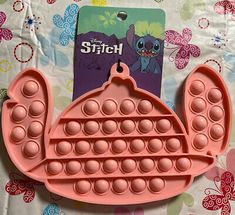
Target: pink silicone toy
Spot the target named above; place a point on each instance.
(117, 144)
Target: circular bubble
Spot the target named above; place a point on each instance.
(138, 185)
(18, 134)
(31, 149)
(83, 186)
(127, 126)
(155, 145)
(119, 146)
(101, 186)
(183, 164)
(215, 95)
(197, 87)
(64, 147)
(91, 107)
(137, 145)
(100, 146)
(199, 123)
(200, 141)
(73, 167)
(216, 131)
(19, 113)
(36, 108)
(109, 126)
(109, 107)
(173, 144)
(35, 129)
(156, 184)
(145, 106)
(110, 165)
(216, 113)
(91, 127)
(72, 127)
(198, 105)
(127, 106)
(54, 167)
(163, 125)
(145, 126)
(120, 185)
(165, 164)
(30, 88)
(128, 165)
(92, 166)
(147, 165)
(82, 147)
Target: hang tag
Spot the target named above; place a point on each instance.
(107, 35)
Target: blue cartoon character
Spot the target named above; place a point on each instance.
(148, 48)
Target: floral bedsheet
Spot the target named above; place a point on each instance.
(36, 34)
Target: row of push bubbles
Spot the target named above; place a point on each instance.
(110, 106)
(215, 114)
(18, 133)
(118, 146)
(214, 95)
(127, 126)
(119, 186)
(128, 165)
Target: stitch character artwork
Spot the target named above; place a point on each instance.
(148, 48)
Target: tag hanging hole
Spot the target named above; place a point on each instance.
(122, 16)
(119, 67)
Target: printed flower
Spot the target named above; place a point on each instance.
(189, 7)
(108, 18)
(176, 204)
(50, 51)
(3, 93)
(2, 1)
(229, 59)
(99, 2)
(5, 33)
(68, 24)
(219, 40)
(52, 209)
(154, 29)
(21, 185)
(5, 66)
(61, 102)
(32, 23)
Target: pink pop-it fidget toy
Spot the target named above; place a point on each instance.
(117, 144)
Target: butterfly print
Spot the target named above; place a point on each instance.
(183, 48)
(226, 193)
(218, 171)
(5, 33)
(21, 185)
(225, 7)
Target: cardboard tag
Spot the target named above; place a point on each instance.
(107, 34)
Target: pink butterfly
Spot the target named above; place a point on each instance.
(4, 32)
(183, 47)
(225, 7)
(226, 193)
(126, 211)
(218, 171)
(21, 185)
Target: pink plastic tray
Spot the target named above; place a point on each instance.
(117, 144)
